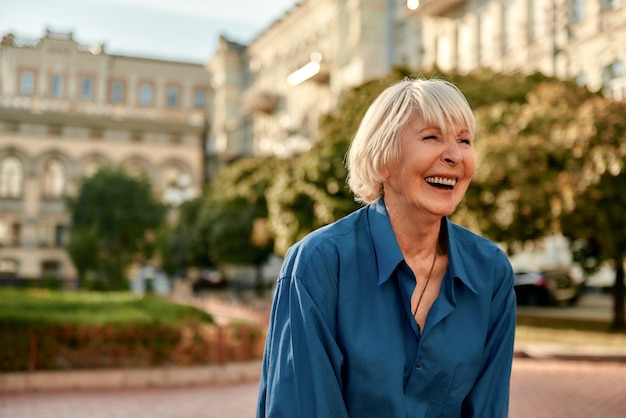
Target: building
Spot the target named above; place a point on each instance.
(68, 108)
(296, 70)
(581, 40)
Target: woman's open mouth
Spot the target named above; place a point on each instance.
(441, 182)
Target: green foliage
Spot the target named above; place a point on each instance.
(524, 176)
(84, 308)
(111, 217)
(48, 330)
(235, 215)
(484, 87)
(186, 244)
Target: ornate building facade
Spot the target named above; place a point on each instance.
(67, 109)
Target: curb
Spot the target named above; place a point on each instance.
(590, 354)
(227, 374)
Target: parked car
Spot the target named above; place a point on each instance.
(546, 287)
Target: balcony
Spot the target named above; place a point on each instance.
(313, 70)
(259, 102)
(435, 8)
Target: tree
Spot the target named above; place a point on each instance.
(185, 244)
(553, 164)
(235, 214)
(112, 216)
(82, 248)
(596, 224)
(525, 168)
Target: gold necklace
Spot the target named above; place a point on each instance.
(432, 267)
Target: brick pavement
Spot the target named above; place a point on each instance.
(539, 389)
(568, 389)
(229, 401)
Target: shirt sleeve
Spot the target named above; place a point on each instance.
(301, 374)
(489, 397)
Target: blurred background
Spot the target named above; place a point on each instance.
(151, 148)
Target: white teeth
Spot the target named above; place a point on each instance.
(441, 180)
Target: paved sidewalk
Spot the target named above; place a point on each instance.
(539, 389)
(232, 373)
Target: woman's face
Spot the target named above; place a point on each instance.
(434, 169)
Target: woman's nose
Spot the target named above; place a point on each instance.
(452, 154)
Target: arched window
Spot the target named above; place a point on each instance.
(11, 177)
(54, 178)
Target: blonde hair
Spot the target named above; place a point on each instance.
(375, 145)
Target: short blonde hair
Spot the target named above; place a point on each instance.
(376, 145)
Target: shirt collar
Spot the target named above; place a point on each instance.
(386, 246)
(388, 251)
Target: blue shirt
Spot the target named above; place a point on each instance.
(342, 341)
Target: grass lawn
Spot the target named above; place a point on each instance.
(97, 308)
(568, 332)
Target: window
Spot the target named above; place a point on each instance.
(577, 10)
(145, 94)
(536, 20)
(117, 92)
(173, 96)
(86, 88)
(44, 235)
(11, 177)
(199, 99)
(59, 235)
(27, 83)
(16, 235)
(54, 178)
(611, 4)
(486, 45)
(465, 49)
(8, 267)
(51, 234)
(56, 86)
(614, 81)
(509, 23)
(9, 234)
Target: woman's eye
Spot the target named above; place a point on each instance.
(430, 137)
(465, 141)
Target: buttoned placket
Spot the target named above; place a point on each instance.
(407, 282)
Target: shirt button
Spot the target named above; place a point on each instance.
(418, 366)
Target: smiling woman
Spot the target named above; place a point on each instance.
(394, 308)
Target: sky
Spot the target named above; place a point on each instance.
(179, 30)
